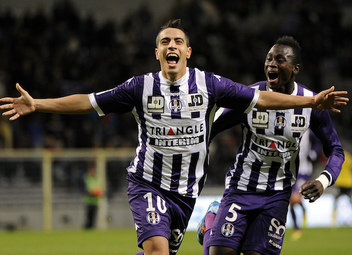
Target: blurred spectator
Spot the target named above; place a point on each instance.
(343, 184)
(93, 192)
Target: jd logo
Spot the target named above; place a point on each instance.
(155, 104)
(260, 119)
(195, 100)
(298, 122)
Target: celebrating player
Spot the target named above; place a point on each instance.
(174, 109)
(252, 214)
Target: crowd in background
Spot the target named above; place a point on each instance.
(60, 53)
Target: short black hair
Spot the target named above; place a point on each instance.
(173, 23)
(293, 43)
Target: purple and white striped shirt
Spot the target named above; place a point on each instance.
(268, 156)
(174, 121)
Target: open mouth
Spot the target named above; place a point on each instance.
(172, 58)
(273, 76)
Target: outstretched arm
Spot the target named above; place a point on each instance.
(25, 104)
(327, 99)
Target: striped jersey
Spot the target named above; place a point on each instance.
(268, 157)
(174, 121)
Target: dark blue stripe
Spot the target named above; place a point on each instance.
(279, 130)
(253, 179)
(288, 176)
(239, 165)
(175, 102)
(299, 93)
(157, 168)
(195, 115)
(272, 175)
(156, 92)
(193, 89)
(262, 86)
(192, 86)
(192, 173)
(202, 180)
(260, 131)
(176, 171)
(143, 138)
(300, 90)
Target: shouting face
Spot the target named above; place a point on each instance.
(172, 52)
(279, 68)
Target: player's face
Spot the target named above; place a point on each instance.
(172, 52)
(279, 70)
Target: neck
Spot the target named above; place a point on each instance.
(173, 76)
(286, 89)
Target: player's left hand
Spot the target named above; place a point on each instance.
(328, 99)
(312, 190)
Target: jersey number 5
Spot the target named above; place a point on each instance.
(233, 212)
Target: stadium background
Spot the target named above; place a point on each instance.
(55, 48)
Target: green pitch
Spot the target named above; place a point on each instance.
(123, 242)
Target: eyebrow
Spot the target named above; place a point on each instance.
(169, 38)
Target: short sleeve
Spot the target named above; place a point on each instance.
(234, 95)
(120, 99)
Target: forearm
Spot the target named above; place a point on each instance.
(78, 103)
(278, 101)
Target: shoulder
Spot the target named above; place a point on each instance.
(260, 85)
(306, 91)
(137, 81)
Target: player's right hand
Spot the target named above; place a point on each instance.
(312, 190)
(18, 106)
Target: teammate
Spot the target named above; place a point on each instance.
(252, 214)
(174, 109)
(308, 153)
(343, 184)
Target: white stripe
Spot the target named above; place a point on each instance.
(95, 104)
(254, 101)
(149, 159)
(102, 92)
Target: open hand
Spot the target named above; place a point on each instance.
(328, 99)
(18, 106)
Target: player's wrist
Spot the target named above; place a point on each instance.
(323, 180)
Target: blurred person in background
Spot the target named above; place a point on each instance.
(309, 150)
(251, 217)
(174, 109)
(93, 192)
(343, 184)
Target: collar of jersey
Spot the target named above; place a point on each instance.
(179, 82)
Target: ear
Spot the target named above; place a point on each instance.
(156, 54)
(189, 52)
(296, 69)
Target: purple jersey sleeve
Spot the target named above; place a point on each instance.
(226, 119)
(233, 95)
(121, 99)
(323, 128)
